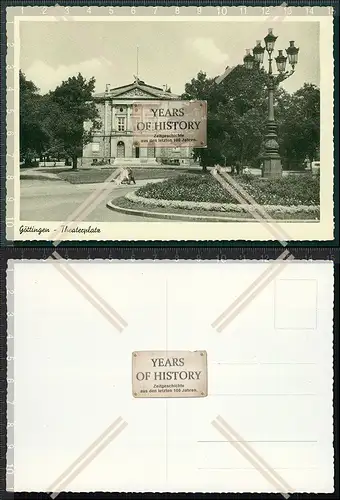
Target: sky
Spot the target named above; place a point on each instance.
(169, 53)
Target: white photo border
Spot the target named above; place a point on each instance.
(322, 230)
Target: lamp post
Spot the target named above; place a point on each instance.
(272, 166)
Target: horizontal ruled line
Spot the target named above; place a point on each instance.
(259, 441)
(252, 468)
(254, 363)
(235, 394)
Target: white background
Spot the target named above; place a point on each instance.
(269, 375)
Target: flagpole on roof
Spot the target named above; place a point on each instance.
(137, 62)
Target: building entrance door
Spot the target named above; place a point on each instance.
(136, 148)
(151, 151)
(120, 149)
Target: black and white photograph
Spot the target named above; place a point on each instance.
(211, 129)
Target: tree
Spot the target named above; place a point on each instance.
(204, 88)
(236, 108)
(299, 132)
(72, 105)
(33, 137)
(237, 116)
(51, 112)
(200, 87)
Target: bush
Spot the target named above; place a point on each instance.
(101, 161)
(30, 164)
(292, 190)
(301, 189)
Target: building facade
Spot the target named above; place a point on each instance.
(114, 142)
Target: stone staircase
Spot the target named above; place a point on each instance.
(135, 162)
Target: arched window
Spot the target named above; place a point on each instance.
(120, 149)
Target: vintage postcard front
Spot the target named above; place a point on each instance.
(169, 123)
(255, 336)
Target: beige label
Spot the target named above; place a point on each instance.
(170, 123)
(169, 374)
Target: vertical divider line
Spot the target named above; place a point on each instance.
(166, 401)
(166, 315)
(166, 441)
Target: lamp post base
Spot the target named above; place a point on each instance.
(272, 167)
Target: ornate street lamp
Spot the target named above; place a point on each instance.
(270, 40)
(258, 52)
(292, 53)
(272, 166)
(248, 60)
(281, 62)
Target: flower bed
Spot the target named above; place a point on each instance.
(308, 211)
(287, 192)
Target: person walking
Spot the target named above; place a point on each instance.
(130, 176)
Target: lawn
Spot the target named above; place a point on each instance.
(287, 191)
(94, 175)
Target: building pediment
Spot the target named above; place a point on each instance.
(139, 89)
(136, 92)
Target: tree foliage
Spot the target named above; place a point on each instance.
(237, 116)
(33, 137)
(72, 106)
(54, 123)
(299, 131)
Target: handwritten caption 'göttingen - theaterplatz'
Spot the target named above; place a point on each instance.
(169, 374)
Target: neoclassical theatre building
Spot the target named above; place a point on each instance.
(114, 142)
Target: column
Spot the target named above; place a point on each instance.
(107, 132)
(113, 126)
(128, 125)
(105, 116)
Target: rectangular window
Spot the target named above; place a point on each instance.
(95, 147)
(121, 124)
